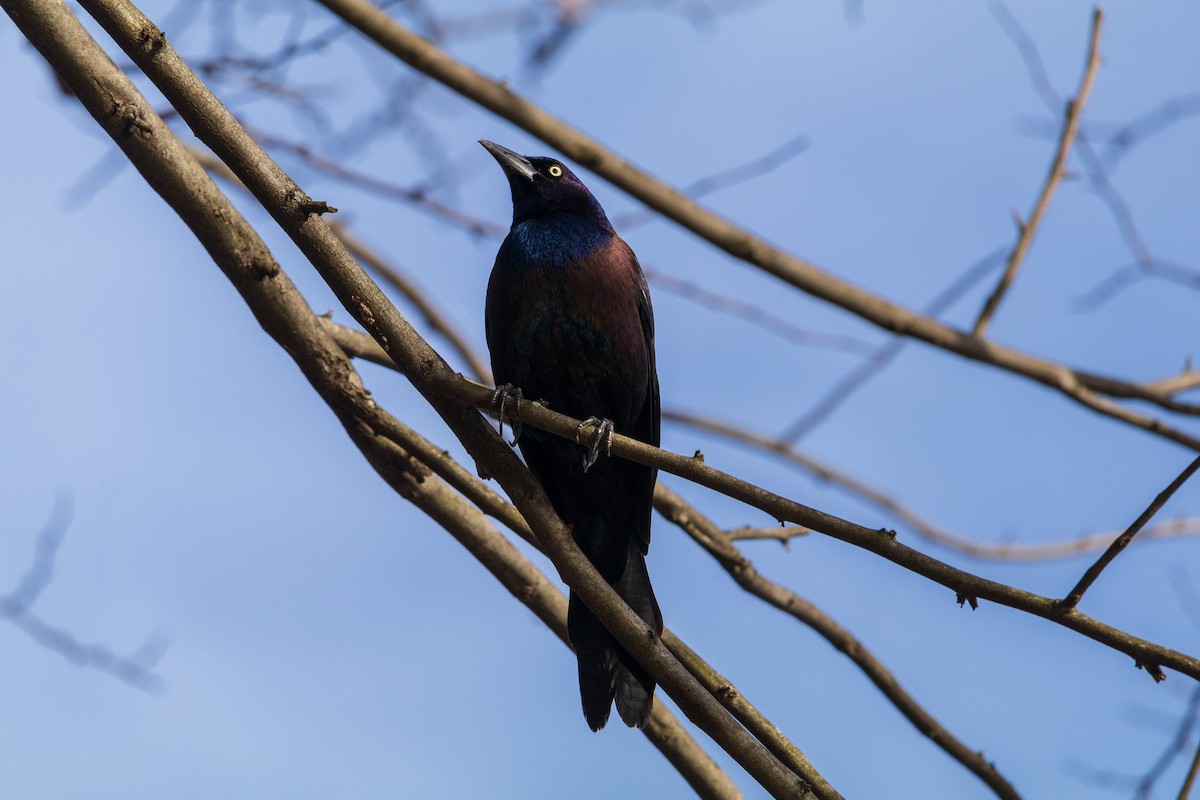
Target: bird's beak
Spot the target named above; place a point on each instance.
(512, 163)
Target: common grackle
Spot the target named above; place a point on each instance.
(569, 323)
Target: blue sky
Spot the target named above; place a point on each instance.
(328, 641)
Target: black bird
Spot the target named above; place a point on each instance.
(569, 324)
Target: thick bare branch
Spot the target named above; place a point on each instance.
(1027, 229)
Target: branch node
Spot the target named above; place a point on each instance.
(132, 121)
(364, 313)
(306, 205)
(151, 39)
(964, 599)
(1154, 670)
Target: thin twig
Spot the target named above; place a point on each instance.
(1188, 379)
(1158, 119)
(783, 535)
(1121, 542)
(1094, 168)
(918, 523)
(1028, 228)
(416, 197)
(755, 168)
(755, 315)
(1186, 790)
(835, 397)
(16, 608)
(1177, 745)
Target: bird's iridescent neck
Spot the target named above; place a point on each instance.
(555, 239)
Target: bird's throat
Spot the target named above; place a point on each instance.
(561, 239)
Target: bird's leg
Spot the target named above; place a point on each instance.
(604, 434)
(499, 398)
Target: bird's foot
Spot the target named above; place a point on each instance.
(603, 438)
(499, 398)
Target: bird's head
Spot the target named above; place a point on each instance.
(544, 186)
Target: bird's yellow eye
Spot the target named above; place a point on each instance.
(555, 170)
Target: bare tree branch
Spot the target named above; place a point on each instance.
(359, 345)
(1179, 742)
(299, 216)
(433, 316)
(918, 523)
(755, 315)
(279, 308)
(16, 608)
(1058, 168)
(1188, 379)
(1097, 175)
(757, 167)
(782, 534)
(126, 117)
(1185, 791)
(1080, 386)
(967, 587)
(713, 540)
(414, 196)
(1164, 115)
(1121, 542)
(887, 353)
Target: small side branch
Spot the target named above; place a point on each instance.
(1122, 541)
(1028, 229)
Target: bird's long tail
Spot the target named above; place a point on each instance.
(606, 671)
